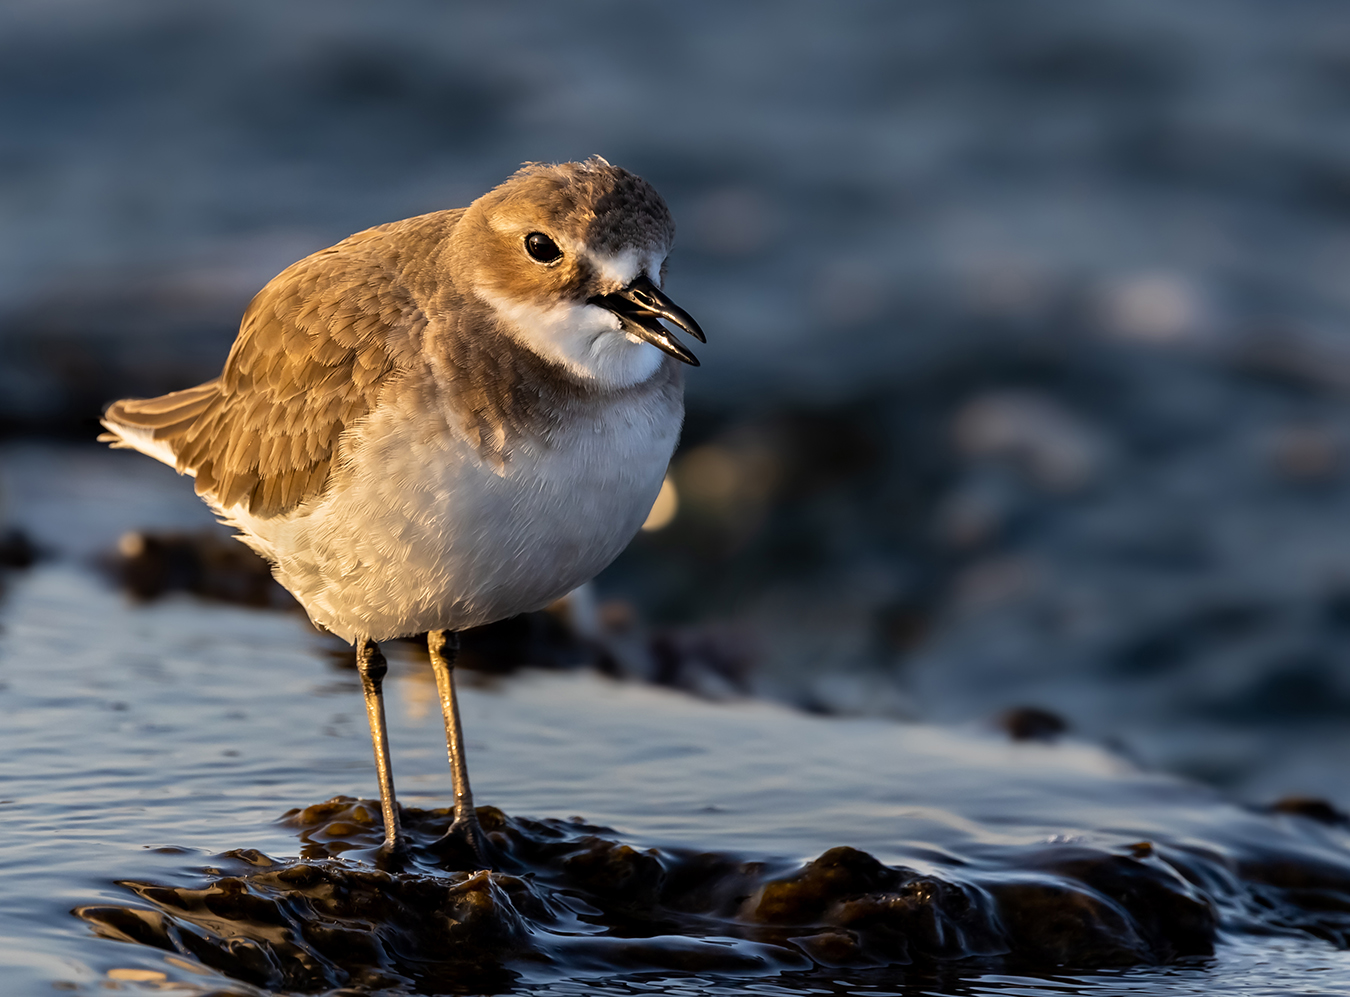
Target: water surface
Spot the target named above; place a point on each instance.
(144, 742)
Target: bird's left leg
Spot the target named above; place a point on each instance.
(372, 666)
(444, 648)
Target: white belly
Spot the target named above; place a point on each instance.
(420, 533)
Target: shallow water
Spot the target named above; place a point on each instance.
(1027, 330)
(143, 742)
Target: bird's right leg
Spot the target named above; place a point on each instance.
(444, 648)
(372, 666)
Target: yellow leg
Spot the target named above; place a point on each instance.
(444, 648)
(372, 666)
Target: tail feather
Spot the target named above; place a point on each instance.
(155, 426)
(155, 413)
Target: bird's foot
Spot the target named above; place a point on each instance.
(465, 846)
(393, 855)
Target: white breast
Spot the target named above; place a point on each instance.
(419, 532)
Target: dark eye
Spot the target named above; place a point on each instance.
(541, 247)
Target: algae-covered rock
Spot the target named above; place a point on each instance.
(571, 897)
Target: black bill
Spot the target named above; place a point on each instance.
(641, 306)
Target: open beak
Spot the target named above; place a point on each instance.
(641, 306)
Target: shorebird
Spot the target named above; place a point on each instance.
(444, 421)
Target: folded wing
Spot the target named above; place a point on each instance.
(315, 348)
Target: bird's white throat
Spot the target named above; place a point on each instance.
(586, 340)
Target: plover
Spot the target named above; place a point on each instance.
(444, 421)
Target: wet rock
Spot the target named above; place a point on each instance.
(713, 662)
(803, 898)
(863, 912)
(1311, 807)
(207, 563)
(309, 926)
(1031, 723)
(16, 549)
(1164, 917)
(1299, 895)
(581, 902)
(569, 897)
(1051, 924)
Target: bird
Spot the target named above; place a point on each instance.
(444, 421)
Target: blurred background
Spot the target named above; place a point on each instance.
(1028, 375)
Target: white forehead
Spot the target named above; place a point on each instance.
(625, 267)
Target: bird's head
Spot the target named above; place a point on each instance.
(571, 258)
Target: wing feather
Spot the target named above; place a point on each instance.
(315, 349)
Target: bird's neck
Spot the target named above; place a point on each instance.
(584, 340)
(500, 391)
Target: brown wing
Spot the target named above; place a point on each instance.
(314, 348)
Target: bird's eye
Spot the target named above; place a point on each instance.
(541, 247)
